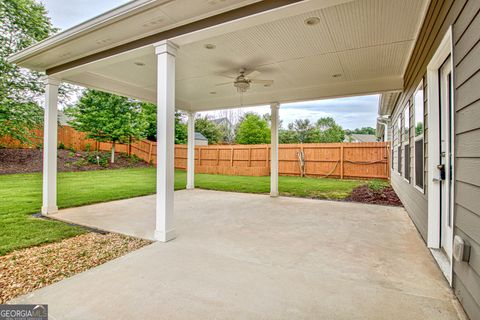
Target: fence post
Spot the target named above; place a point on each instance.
(250, 156)
(302, 171)
(199, 156)
(341, 162)
(129, 152)
(266, 156)
(218, 156)
(150, 152)
(231, 157)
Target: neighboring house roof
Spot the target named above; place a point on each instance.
(386, 105)
(199, 136)
(364, 137)
(221, 121)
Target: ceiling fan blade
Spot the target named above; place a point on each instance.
(223, 84)
(252, 74)
(228, 75)
(267, 82)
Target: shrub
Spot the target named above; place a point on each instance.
(134, 158)
(377, 185)
(80, 162)
(98, 158)
(61, 146)
(88, 147)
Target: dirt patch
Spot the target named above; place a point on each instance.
(31, 160)
(29, 269)
(383, 196)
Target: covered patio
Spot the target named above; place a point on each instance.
(244, 256)
(223, 54)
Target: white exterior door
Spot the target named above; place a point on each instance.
(445, 166)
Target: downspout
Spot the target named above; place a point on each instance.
(385, 121)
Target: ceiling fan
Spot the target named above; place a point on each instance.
(243, 81)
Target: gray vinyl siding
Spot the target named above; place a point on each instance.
(466, 38)
(464, 15)
(414, 200)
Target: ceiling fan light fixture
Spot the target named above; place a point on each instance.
(242, 86)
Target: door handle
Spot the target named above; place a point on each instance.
(441, 167)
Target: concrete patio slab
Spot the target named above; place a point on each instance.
(244, 256)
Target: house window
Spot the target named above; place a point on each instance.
(392, 146)
(406, 141)
(418, 115)
(407, 162)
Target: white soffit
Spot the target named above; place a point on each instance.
(387, 103)
(367, 42)
(129, 22)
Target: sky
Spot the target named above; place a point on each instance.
(350, 113)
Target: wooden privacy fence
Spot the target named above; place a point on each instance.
(338, 160)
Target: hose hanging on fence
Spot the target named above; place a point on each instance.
(332, 171)
(364, 162)
(301, 162)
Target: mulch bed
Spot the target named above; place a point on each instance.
(385, 196)
(31, 160)
(29, 269)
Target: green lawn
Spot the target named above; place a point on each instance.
(20, 196)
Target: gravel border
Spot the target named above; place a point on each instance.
(32, 268)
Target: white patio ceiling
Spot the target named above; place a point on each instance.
(357, 47)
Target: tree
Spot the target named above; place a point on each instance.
(22, 23)
(18, 119)
(149, 111)
(209, 129)
(287, 136)
(362, 130)
(181, 130)
(304, 131)
(252, 129)
(329, 131)
(107, 117)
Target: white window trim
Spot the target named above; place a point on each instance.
(399, 173)
(443, 52)
(399, 128)
(421, 189)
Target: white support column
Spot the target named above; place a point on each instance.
(191, 151)
(50, 126)
(165, 227)
(274, 150)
